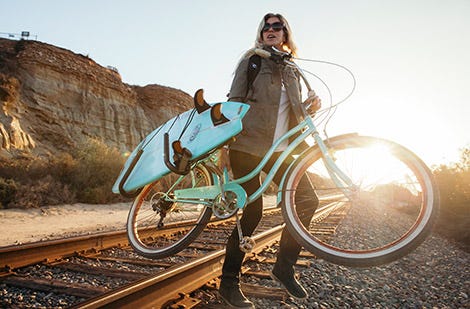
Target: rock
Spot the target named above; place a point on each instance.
(51, 98)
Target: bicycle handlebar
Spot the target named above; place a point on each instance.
(282, 57)
(276, 56)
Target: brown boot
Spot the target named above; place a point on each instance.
(286, 276)
(231, 293)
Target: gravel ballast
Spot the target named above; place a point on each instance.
(435, 275)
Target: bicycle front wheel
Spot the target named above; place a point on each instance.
(157, 225)
(386, 214)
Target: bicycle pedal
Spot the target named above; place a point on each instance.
(247, 244)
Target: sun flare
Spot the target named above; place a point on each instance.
(371, 167)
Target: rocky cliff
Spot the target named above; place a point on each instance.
(51, 98)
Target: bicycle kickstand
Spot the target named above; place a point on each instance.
(246, 243)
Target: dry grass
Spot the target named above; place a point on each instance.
(86, 175)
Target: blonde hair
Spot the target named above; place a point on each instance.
(288, 44)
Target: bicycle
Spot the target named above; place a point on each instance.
(383, 194)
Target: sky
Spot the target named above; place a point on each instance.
(410, 58)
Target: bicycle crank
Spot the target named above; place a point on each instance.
(225, 205)
(246, 243)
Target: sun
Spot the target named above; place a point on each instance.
(370, 168)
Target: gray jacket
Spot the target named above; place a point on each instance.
(264, 96)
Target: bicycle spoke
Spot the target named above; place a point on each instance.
(159, 226)
(385, 211)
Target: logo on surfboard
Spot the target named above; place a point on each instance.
(195, 132)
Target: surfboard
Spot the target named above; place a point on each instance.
(196, 131)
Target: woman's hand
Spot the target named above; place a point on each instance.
(313, 102)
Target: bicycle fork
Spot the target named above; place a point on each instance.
(342, 181)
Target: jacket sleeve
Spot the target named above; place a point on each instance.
(238, 90)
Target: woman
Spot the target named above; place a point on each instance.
(275, 106)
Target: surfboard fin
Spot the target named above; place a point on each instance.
(217, 116)
(199, 102)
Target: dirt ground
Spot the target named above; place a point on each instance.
(19, 226)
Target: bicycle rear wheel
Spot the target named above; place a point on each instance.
(158, 227)
(386, 214)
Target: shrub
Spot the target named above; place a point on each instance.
(96, 169)
(8, 188)
(43, 192)
(84, 175)
(453, 181)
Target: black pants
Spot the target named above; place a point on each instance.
(242, 163)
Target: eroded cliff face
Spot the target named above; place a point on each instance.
(51, 98)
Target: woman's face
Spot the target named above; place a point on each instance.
(273, 32)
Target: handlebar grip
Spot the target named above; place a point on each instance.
(276, 56)
(262, 53)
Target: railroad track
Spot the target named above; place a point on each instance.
(102, 270)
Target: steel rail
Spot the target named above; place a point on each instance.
(36, 252)
(155, 291)
(16, 256)
(23, 255)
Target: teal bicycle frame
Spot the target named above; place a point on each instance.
(222, 184)
(388, 206)
(200, 195)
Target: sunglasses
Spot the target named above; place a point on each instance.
(277, 26)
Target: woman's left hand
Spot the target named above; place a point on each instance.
(313, 103)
